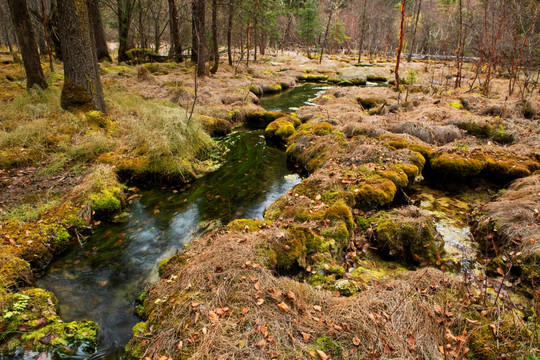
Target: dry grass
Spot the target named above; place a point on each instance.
(515, 216)
(432, 134)
(223, 271)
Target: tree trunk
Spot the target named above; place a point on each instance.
(27, 43)
(326, 31)
(413, 41)
(400, 46)
(459, 50)
(97, 26)
(215, 50)
(125, 11)
(229, 32)
(199, 35)
(194, 37)
(362, 33)
(52, 28)
(82, 86)
(176, 47)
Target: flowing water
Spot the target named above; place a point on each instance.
(100, 280)
(291, 100)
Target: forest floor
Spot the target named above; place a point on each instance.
(345, 265)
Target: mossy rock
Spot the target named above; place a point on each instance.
(272, 88)
(312, 78)
(108, 200)
(33, 314)
(322, 128)
(279, 130)
(506, 169)
(454, 165)
(75, 96)
(215, 126)
(374, 193)
(292, 248)
(261, 119)
(486, 130)
(413, 240)
(369, 103)
(376, 78)
(249, 225)
(346, 287)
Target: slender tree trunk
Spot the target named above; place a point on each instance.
(229, 32)
(94, 13)
(400, 46)
(82, 85)
(326, 31)
(27, 43)
(194, 37)
(255, 37)
(413, 41)
(176, 47)
(362, 32)
(125, 12)
(215, 51)
(44, 21)
(459, 50)
(199, 22)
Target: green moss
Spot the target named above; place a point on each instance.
(346, 287)
(261, 119)
(330, 346)
(412, 171)
(139, 329)
(397, 176)
(215, 126)
(376, 78)
(107, 200)
(249, 225)
(412, 241)
(456, 105)
(63, 335)
(279, 130)
(486, 130)
(375, 193)
(506, 169)
(312, 78)
(75, 96)
(457, 166)
(293, 249)
(272, 89)
(322, 128)
(339, 233)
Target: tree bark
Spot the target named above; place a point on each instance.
(413, 42)
(96, 24)
(362, 33)
(326, 31)
(459, 50)
(176, 47)
(27, 43)
(199, 34)
(215, 50)
(400, 46)
(229, 32)
(82, 85)
(125, 12)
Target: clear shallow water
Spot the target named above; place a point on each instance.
(100, 280)
(291, 100)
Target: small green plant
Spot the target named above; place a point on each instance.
(412, 76)
(18, 306)
(461, 146)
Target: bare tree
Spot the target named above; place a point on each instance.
(27, 43)
(215, 52)
(400, 46)
(94, 14)
(176, 46)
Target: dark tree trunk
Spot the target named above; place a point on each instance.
(229, 32)
(199, 34)
(52, 28)
(27, 43)
(176, 47)
(99, 37)
(194, 37)
(215, 52)
(125, 12)
(82, 86)
(413, 41)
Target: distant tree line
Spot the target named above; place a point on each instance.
(503, 34)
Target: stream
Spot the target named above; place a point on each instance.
(100, 280)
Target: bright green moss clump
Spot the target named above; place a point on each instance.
(261, 119)
(312, 78)
(457, 165)
(279, 130)
(107, 200)
(293, 248)
(215, 126)
(375, 193)
(322, 128)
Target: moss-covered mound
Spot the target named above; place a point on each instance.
(29, 319)
(215, 126)
(408, 236)
(279, 130)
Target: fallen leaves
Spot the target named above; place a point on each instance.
(213, 317)
(284, 307)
